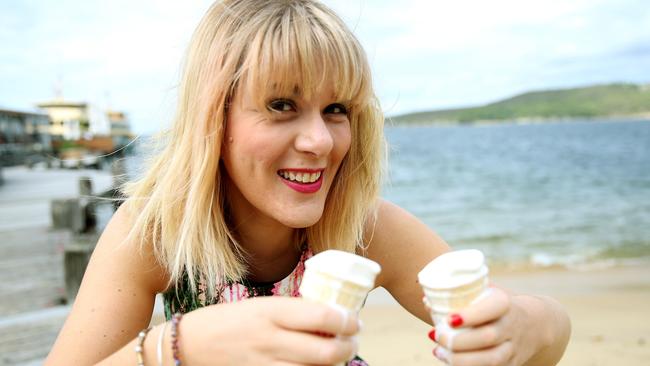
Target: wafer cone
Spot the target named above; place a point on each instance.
(322, 287)
(338, 278)
(453, 281)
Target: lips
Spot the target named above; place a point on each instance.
(302, 180)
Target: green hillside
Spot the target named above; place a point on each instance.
(610, 100)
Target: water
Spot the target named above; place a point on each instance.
(571, 193)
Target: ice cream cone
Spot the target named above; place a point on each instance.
(338, 278)
(453, 281)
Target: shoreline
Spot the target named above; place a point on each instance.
(520, 121)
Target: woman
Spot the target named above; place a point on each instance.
(275, 154)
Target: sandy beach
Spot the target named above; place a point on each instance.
(608, 310)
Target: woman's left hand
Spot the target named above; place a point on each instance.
(499, 329)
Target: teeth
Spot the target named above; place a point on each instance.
(301, 177)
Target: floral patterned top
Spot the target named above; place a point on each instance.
(181, 299)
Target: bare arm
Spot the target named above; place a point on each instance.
(403, 246)
(115, 300)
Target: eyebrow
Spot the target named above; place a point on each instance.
(297, 93)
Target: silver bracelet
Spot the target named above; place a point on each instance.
(159, 351)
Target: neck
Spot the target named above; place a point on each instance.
(271, 251)
(270, 246)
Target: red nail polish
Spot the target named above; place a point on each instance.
(432, 334)
(455, 320)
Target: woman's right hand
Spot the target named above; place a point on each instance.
(268, 331)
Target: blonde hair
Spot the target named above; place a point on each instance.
(264, 46)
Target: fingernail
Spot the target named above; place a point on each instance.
(360, 324)
(344, 312)
(432, 335)
(455, 320)
(441, 354)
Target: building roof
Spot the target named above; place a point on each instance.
(19, 112)
(62, 103)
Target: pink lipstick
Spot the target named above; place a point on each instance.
(290, 178)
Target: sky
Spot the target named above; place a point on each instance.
(425, 54)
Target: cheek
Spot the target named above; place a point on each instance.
(343, 137)
(256, 150)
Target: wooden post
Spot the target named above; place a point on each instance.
(85, 186)
(118, 170)
(67, 214)
(75, 260)
(78, 216)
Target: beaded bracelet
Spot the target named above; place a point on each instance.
(176, 319)
(139, 348)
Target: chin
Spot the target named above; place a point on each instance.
(301, 220)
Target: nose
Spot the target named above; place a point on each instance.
(314, 137)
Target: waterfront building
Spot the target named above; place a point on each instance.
(120, 128)
(23, 135)
(69, 120)
(75, 120)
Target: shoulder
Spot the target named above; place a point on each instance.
(116, 246)
(398, 240)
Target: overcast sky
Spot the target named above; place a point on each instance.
(425, 54)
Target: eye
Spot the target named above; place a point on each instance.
(281, 105)
(336, 108)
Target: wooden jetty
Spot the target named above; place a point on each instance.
(32, 281)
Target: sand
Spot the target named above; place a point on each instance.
(609, 310)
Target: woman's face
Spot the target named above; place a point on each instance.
(282, 161)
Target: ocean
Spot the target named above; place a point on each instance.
(573, 194)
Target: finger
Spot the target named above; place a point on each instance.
(308, 316)
(482, 337)
(432, 335)
(500, 355)
(303, 348)
(489, 308)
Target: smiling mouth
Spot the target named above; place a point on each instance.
(300, 177)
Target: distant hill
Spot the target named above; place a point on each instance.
(598, 101)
